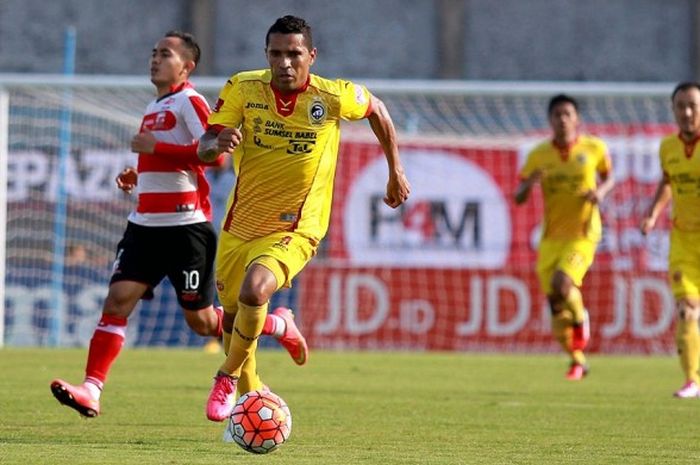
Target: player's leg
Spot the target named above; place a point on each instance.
(688, 343)
(684, 277)
(193, 250)
(105, 346)
(258, 286)
(548, 259)
(575, 259)
(136, 272)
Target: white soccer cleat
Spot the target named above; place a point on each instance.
(689, 390)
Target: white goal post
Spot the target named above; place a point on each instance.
(450, 271)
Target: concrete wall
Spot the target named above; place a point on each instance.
(628, 40)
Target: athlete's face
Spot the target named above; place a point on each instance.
(686, 109)
(290, 60)
(169, 62)
(564, 121)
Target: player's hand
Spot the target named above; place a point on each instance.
(397, 189)
(647, 224)
(127, 179)
(144, 142)
(228, 139)
(592, 196)
(536, 176)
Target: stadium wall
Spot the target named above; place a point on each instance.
(599, 40)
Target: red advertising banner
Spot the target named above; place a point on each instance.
(454, 268)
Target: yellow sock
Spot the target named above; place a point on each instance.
(226, 341)
(688, 341)
(574, 302)
(247, 327)
(249, 380)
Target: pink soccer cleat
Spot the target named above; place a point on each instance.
(76, 397)
(690, 390)
(221, 398)
(292, 340)
(576, 372)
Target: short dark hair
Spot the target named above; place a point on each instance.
(189, 42)
(685, 85)
(559, 99)
(291, 25)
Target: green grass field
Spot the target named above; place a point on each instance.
(357, 408)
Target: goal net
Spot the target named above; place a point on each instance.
(453, 269)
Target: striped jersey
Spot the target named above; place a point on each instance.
(680, 162)
(172, 189)
(286, 161)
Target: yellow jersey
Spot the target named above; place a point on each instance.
(680, 163)
(567, 174)
(286, 161)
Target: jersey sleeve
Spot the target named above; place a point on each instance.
(228, 110)
(531, 164)
(604, 165)
(195, 113)
(354, 101)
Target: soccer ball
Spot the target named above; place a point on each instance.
(260, 422)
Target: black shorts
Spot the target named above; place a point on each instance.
(185, 254)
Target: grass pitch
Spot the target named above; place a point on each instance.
(357, 408)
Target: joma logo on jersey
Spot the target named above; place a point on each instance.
(256, 106)
(300, 147)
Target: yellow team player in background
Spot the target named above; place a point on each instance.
(575, 174)
(680, 164)
(284, 124)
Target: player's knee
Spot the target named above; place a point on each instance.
(561, 285)
(688, 310)
(117, 305)
(254, 295)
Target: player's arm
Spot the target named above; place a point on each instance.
(398, 187)
(604, 187)
(127, 179)
(661, 199)
(146, 143)
(522, 192)
(216, 140)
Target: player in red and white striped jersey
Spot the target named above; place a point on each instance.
(169, 233)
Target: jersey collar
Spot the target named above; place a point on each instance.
(565, 150)
(175, 88)
(286, 101)
(689, 147)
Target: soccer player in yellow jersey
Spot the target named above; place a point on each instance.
(575, 174)
(680, 164)
(284, 124)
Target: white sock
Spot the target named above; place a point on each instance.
(280, 326)
(93, 389)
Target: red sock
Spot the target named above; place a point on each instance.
(580, 338)
(274, 326)
(105, 345)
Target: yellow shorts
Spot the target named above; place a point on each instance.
(284, 253)
(684, 263)
(572, 257)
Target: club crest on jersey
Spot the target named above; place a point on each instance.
(581, 158)
(317, 112)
